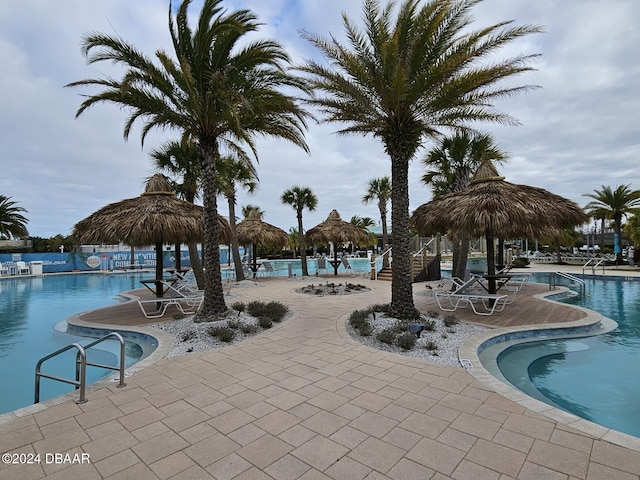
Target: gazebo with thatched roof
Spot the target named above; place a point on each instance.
(336, 230)
(255, 231)
(492, 207)
(156, 217)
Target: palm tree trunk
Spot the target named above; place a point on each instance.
(385, 235)
(213, 303)
(460, 255)
(402, 305)
(235, 247)
(196, 264)
(303, 247)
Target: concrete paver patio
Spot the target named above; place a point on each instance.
(305, 401)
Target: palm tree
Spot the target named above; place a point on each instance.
(181, 160)
(300, 198)
(632, 228)
(249, 210)
(614, 204)
(233, 173)
(294, 240)
(453, 163)
(362, 222)
(380, 190)
(402, 80)
(219, 91)
(12, 223)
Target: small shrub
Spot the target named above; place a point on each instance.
(431, 346)
(450, 321)
(433, 314)
(275, 311)
(383, 308)
(234, 324)
(520, 262)
(365, 329)
(224, 334)
(188, 335)
(238, 306)
(406, 340)
(358, 317)
(248, 328)
(429, 325)
(265, 322)
(388, 335)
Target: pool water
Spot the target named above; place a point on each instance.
(281, 267)
(32, 314)
(593, 377)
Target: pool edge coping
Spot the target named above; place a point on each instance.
(469, 350)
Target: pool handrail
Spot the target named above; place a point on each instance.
(599, 261)
(81, 367)
(568, 276)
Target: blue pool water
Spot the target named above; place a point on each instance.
(30, 309)
(595, 377)
(281, 267)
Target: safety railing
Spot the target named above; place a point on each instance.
(81, 366)
(376, 263)
(594, 263)
(554, 277)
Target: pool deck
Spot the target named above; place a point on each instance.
(306, 401)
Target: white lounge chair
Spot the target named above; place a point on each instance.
(160, 306)
(321, 264)
(267, 269)
(347, 266)
(467, 294)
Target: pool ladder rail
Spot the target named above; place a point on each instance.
(81, 366)
(579, 281)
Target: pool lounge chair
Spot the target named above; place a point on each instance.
(347, 266)
(267, 269)
(321, 264)
(159, 306)
(468, 294)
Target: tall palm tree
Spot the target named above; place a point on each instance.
(248, 210)
(235, 173)
(12, 223)
(615, 204)
(362, 222)
(403, 79)
(182, 161)
(379, 189)
(300, 198)
(452, 165)
(219, 91)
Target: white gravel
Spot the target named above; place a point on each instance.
(446, 339)
(193, 337)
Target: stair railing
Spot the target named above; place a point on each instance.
(376, 263)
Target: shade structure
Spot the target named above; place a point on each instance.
(492, 207)
(336, 230)
(255, 231)
(156, 217)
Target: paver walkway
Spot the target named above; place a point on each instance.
(305, 401)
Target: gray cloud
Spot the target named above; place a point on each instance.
(578, 132)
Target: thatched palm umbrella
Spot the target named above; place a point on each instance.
(156, 217)
(336, 230)
(253, 230)
(492, 207)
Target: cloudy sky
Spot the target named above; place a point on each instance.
(579, 131)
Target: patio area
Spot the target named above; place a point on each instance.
(306, 401)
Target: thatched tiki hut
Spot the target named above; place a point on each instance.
(254, 231)
(495, 208)
(336, 230)
(156, 217)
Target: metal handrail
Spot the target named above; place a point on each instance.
(579, 281)
(599, 261)
(81, 367)
(379, 258)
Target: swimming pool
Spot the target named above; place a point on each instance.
(594, 377)
(282, 267)
(32, 314)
